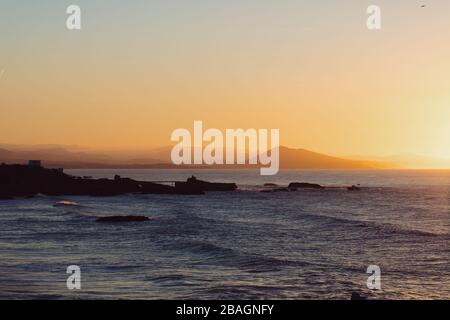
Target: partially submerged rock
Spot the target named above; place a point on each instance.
(123, 219)
(270, 185)
(304, 185)
(357, 296)
(28, 181)
(194, 185)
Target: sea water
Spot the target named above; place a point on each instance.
(309, 244)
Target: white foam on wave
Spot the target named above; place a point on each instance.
(66, 203)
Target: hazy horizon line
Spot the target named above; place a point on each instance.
(84, 148)
(157, 154)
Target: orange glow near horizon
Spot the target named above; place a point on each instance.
(131, 77)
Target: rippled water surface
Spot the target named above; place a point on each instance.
(236, 245)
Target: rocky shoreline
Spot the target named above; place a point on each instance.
(26, 181)
(22, 181)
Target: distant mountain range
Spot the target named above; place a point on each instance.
(57, 156)
(305, 159)
(72, 157)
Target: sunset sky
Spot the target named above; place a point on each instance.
(140, 69)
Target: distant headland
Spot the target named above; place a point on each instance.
(18, 180)
(29, 180)
(159, 158)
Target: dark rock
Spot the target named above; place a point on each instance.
(27, 181)
(195, 185)
(304, 185)
(270, 185)
(154, 188)
(123, 219)
(184, 188)
(354, 188)
(357, 296)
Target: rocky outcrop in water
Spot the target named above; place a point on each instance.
(304, 185)
(123, 219)
(193, 184)
(270, 185)
(357, 296)
(28, 181)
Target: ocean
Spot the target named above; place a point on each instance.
(308, 244)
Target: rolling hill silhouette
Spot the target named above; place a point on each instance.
(160, 158)
(305, 159)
